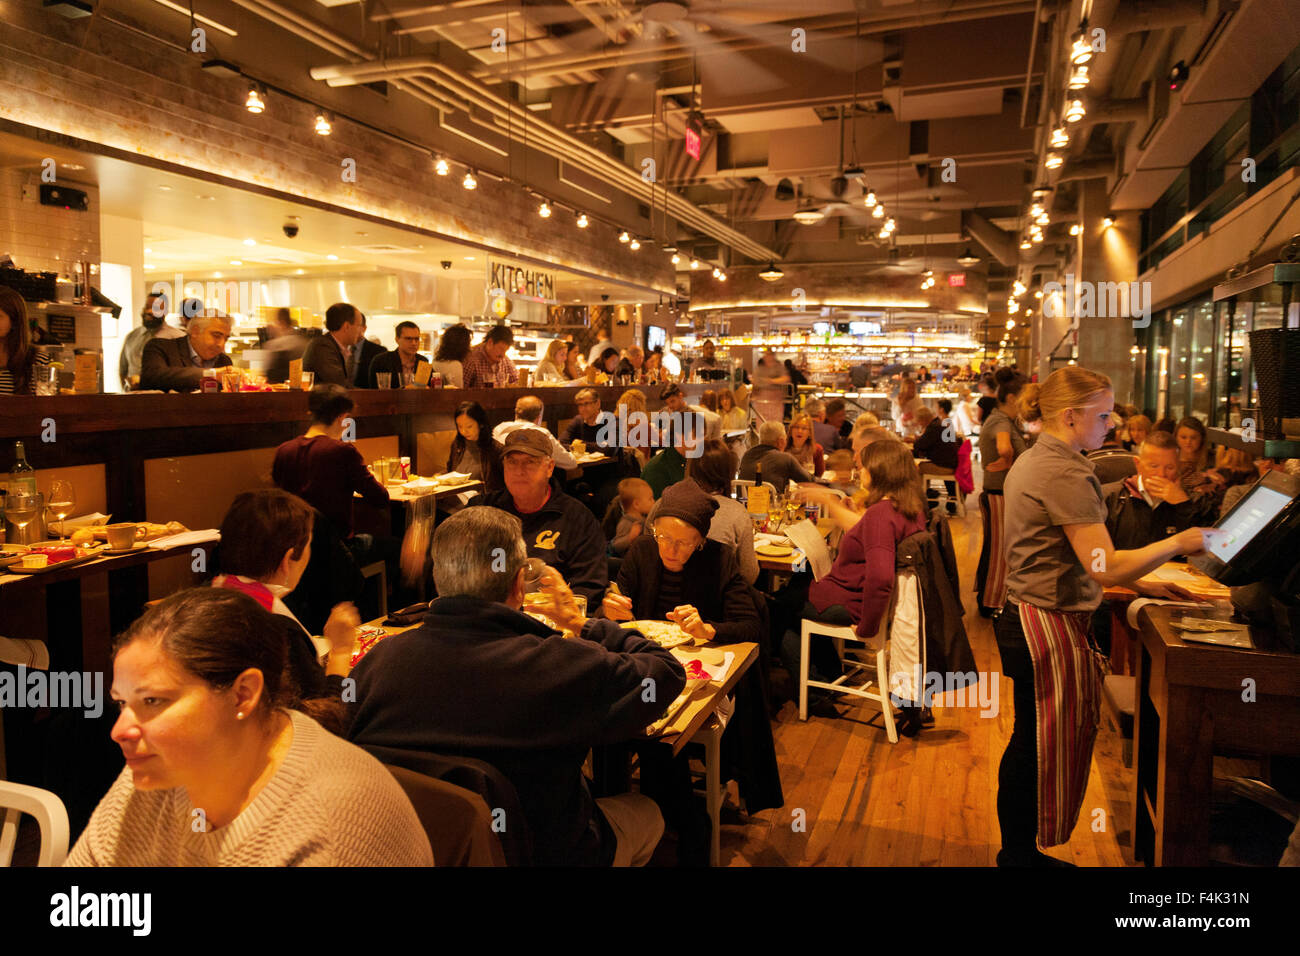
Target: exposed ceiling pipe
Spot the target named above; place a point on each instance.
(1097, 168)
(340, 46)
(1138, 17)
(1029, 65)
(1118, 111)
(562, 144)
(673, 49)
(999, 243)
(558, 141)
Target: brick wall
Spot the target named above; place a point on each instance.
(45, 238)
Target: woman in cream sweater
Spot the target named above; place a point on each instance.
(218, 771)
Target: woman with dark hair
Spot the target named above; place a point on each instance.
(608, 362)
(573, 369)
(449, 359)
(796, 377)
(857, 589)
(1000, 444)
(19, 359)
(222, 767)
(1193, 456)
(474, 452)
(265, 547)
(652, 372)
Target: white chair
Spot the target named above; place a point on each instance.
(17, 799)
(932, 473)
(899, 654)
(876, 689)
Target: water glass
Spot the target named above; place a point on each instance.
(384, 379)
(62, 500)
(307, 381)
(47, 381)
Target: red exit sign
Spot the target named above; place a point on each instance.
(694, 135)
(957, 279)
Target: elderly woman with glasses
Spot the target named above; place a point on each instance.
(678, 573)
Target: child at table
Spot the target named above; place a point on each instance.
(635, 499)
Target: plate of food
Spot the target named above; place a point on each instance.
(774, 550)
(11, 554)
(664, 633)
(44, 558)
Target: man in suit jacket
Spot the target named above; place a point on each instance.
(177, 364)
(363, 354)
(327, 355)
(405, 358)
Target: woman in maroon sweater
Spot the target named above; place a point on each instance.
(857, 589)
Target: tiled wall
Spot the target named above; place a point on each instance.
(45, 238)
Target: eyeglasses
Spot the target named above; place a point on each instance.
(675, 546)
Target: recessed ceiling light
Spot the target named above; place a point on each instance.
(165, 189)
(236, 262)
(250, 242)
(469, 258)
(299, 271)
(332, 258)
(216, 275)
(76, 166)
(148, 265)
(148, 252)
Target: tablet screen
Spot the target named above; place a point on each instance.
(1247, 519)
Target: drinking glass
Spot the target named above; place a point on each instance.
(62, 500)
(408, 379)
(47, 381)
(385, 379)
(22, 509)
(307, 380)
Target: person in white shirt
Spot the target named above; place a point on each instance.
(602, 343)
(528, 414)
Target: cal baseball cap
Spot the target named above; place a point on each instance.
(530, 441)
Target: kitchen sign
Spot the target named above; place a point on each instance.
(520, 282)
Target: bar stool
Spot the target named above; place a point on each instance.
(709, 737)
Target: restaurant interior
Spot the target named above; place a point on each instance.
(787, 244)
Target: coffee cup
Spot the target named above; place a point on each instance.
(121, 536)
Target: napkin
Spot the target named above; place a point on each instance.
(453, 477)
(186, 537)
(87, 521)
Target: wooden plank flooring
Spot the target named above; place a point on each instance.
(926, 801)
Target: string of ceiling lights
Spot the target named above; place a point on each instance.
(324, 122)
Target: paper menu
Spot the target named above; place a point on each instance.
(808, 539)
(295, 373)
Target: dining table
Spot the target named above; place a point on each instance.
(94, 599)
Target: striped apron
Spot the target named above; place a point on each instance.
(991, 578)
(1067, 702)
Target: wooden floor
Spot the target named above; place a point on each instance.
(925, 801)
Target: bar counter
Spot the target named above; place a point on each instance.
(142, 456)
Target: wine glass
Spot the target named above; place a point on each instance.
(62, 500)
(21, 509)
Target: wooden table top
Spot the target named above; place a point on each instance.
(687, 722)
(1197, 582)
(104, 564)
(398, 493)
(786, 564)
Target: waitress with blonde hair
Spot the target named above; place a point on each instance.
(1059, 557)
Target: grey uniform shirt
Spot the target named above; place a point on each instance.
(1048, 487)
(998, 422)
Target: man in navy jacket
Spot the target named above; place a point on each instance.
(481, 679)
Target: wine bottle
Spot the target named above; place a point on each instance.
(22, 478)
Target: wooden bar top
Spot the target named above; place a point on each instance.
(25, 416)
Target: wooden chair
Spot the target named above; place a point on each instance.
(709, 738)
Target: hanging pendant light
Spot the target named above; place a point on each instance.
(772, 273)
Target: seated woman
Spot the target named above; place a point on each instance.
(265, 547)
(677, 573)
(731, 524)
(734, 419)
(473, 451)
(800, 444)
(857, 589)
(221, 768)
(550, 370)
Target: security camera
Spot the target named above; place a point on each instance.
(446, 263)
(290, 229)
(604, 297)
